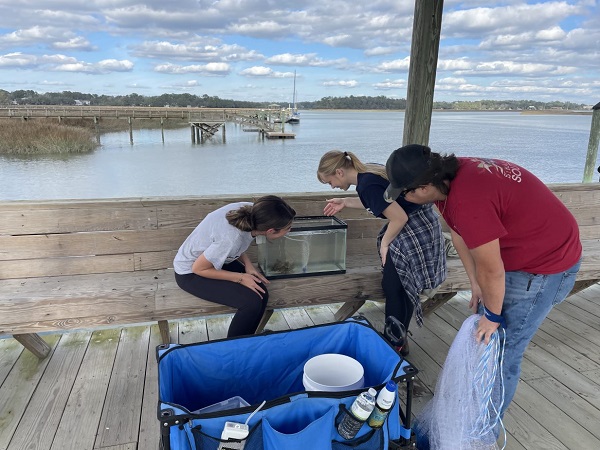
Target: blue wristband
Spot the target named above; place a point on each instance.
(496, 318)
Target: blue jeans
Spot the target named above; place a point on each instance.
(527, 301)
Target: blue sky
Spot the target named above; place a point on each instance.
(249, 49)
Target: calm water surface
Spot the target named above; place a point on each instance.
(551, 146)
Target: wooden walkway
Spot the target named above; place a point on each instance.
(98, 389)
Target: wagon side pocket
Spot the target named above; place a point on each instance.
(204, 441)
(307, 433)
(371, 440)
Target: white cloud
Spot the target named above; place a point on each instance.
(101, 67)
(342, 83)
(513, 68)
(390, 85)
(379, 51)
(397, 65)
(265, 72)
(260, 29)
(308, 59)
(483, 43)
(216, 69)
(509, 18)
(195, 50)
(17, 60)
(75, 43)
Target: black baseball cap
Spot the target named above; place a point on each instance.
(404, 166)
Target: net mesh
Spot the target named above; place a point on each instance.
(464, 412)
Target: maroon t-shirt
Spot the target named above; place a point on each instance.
(493, 199)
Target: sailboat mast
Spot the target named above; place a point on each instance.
(294, 96)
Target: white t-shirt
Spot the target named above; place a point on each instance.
(219, 241)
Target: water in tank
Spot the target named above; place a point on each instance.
(316, 245)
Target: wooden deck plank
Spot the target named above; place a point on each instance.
(552, 388)
(18, 388)
(297, 318)
(321, 314)
(575, 407)
(10, 350)
(551, 417)
(129, 446)
(34, 221)
(81, 265)
(149, 433)
(120, 419)
(529, 433)
(218, 326)
(51, 394)
(191, 331)
(79, 424)
(277, 322)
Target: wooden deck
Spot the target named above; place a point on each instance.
(98, 389)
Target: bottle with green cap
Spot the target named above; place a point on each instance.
(385, 401)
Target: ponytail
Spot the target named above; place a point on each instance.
(337, 159)
(268, 212)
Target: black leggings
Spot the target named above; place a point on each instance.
(397, 302)
(250, 307)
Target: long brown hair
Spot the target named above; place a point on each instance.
(265, 213)
(337, 159)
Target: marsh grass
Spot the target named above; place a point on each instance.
(44, 137)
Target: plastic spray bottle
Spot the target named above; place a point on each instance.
(358, 414)
(385, 401)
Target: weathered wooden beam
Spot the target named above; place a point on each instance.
(263, 322)
(433, 303)
(592, 153)
(34, 344)
(165, 334)
(427, 27)
(347, 310)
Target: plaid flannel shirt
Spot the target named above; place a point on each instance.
(418, 255)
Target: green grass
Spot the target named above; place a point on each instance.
(44, 137)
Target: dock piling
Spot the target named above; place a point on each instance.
(592, 153)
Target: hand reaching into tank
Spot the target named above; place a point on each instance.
(334, 206)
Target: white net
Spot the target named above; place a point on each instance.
(464, 412)
(303, 244)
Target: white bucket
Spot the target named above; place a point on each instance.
(333, 372)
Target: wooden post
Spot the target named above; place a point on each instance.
(162, 129)
(224, 134)
(97, 129)
(592, 153)
(427, 27)
(130, 130)
(193, 133)
(34, 344)
(165, 334)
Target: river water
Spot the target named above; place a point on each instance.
(553, 147)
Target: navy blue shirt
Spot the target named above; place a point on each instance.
(370, 189)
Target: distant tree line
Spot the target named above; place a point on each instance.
(29, 97)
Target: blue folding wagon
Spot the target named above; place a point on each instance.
(205, 385)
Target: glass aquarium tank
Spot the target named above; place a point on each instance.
(316, 245)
